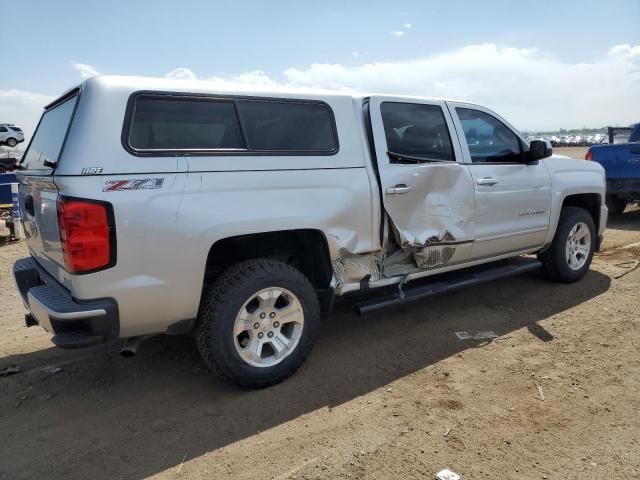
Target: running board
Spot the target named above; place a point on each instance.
(454, 281)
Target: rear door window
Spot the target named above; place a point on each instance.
(417, 132)
(46, 145)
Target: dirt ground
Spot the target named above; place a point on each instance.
(573, 152)
(391, 395)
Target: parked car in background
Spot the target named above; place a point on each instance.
(621, 162)
(278, 200)
(10, 135)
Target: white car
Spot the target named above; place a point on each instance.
(169, 206)
(10, 135)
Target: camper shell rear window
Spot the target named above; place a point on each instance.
(51, 133)
(162, 124)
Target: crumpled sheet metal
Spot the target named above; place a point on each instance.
(438, 251)
(353, 268)
(440, 217)
(441, 204)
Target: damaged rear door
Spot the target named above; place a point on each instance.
(427, 193)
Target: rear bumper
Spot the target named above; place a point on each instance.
(73, 323)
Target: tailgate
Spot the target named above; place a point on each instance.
(38, 197)
(38, 192)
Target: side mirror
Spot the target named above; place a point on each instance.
(538, 149)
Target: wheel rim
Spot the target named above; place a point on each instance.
(11, 142)
(578, 246)
(268, 327)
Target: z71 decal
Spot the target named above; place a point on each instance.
(133, 184)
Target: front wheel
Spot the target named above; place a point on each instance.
(12, 142)
(257, 322)
(569, 256)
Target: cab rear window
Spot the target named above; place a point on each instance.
(173, 123)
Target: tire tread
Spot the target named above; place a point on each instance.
(221, 291)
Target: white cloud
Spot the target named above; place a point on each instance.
(181, 73)
(86, 71)
(530, 89)
(355, 53)
(397, 33)
(407, 25)
(255, 77)
(23, 109)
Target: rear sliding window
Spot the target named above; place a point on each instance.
(165, 123)
(49, 136)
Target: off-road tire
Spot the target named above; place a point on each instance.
(554, 261)
(222, 301)
(11, 142)
(615, 204)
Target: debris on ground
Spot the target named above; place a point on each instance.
(540, 392)
(447, 474)
(471, 335)
(51, 370)
(9, 370)
(629, 266)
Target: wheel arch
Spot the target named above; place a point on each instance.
(305, 249)
(589, 201)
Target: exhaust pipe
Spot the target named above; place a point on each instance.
(131, 345)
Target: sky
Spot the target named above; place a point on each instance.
(543, 65)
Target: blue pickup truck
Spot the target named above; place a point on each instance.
(621, 163)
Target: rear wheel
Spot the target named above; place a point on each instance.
(12, 142)
(615, 204)
(570, 254)
(257, 322)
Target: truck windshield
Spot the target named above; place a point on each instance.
(44, 150)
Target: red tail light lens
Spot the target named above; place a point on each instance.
(87, 234)
(588, 155)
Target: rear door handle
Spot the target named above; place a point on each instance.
(634, 160)
(398, 189)
(487, 181)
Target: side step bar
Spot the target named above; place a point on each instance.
(454, 281)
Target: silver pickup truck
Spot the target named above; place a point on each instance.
(172, 206)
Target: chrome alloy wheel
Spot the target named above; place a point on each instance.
(578, 246)
(268, 327)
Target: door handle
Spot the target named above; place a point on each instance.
(398, 189)
(487, 181)
(634, 160)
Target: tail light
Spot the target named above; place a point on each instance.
(87, 234)
(588, 155)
